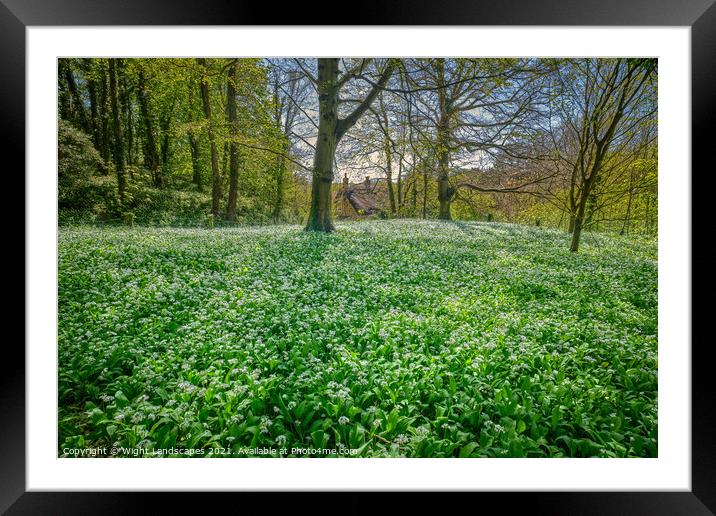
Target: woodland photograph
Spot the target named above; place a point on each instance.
(357, 257)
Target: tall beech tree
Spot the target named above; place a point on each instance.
(105, 110)
(192, 136)
(331, 128)
(117, 136)
(206, 104)
(94, 122)
(151, 156)
(602, 105)
(446, 115)
(233, 147)
(125, 102)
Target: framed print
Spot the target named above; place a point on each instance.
(424, 250)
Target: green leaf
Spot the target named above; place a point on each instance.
(521, 426)
(466, 450)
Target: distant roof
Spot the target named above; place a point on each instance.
(365, 201)
(361, 196)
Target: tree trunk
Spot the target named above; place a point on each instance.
(104, 117)
(233, 148)
(399, 184)
(570, 228)
(443, 136)
(195, 163)
(389, 171)
(94, 114)
(216, 178)
(126, 107)
(63, 90)
(579, 216)
(94, 108)
(425, 192)
(577, 231)
(319, 216)
(117, 131)
(445, 197)
(151, 156)
(164, 125)
(280, 183)
(625, 226)
(388, 158)
(77, 108)
(224, 161)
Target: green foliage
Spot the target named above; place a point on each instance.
(153, 206)
(150, 206)
(394, 338)
(174, 110)
(77, 162)
(89, 200)
(76, 155)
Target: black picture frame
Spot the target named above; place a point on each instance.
(700, 15)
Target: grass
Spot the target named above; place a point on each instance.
(390, 338)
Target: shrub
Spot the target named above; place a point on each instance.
(77, 162)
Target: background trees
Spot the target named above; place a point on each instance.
(555, 142)
(606, 109)
(476, 114)
(170, 113)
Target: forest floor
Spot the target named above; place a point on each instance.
(386, 338)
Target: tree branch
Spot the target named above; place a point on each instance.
(349, 121)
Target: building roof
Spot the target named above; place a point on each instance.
(364, 197)
(363, 202)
